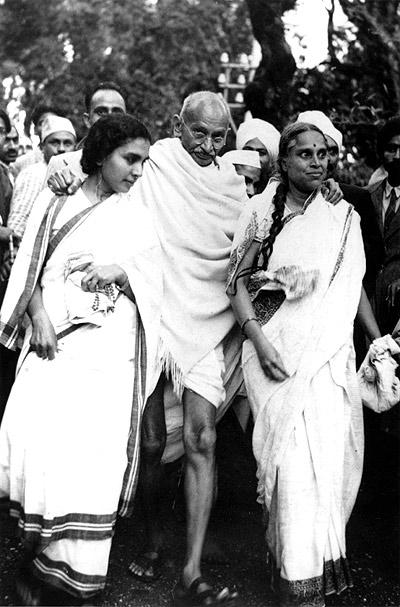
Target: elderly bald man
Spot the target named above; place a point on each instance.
(196, 200)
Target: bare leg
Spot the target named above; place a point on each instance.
(153, 443)
(200, 438)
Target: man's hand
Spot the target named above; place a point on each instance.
(44, 339)
(64, 182)
(332, 191)
(392, 291)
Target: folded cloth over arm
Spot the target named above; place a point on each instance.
(85, 306)
(292, 280)
(380, 388)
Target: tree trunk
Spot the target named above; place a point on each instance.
(381, 21)
(277, 66)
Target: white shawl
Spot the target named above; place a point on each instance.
(196, 210)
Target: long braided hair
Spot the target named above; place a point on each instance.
(288, 136)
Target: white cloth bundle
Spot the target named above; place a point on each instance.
(380, 388)
(85, 306)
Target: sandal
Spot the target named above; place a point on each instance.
(194, 597)
(147, 567)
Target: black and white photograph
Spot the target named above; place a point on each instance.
(199, 303)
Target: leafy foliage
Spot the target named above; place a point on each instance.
(160, 50)
(157, 51)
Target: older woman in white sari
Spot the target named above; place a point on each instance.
(88, 275)
(305, 261)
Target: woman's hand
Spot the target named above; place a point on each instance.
(97, 277)
(43, 340)
(270, 360)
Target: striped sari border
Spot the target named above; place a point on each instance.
(9, 330)
(346, 230)
(43, 248)
(61, 575)
(66, 228)
(131, 475)
(38, 530)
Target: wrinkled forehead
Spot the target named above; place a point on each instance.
(107, 98)
(209, 113)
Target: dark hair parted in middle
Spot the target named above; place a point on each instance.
(106, 135)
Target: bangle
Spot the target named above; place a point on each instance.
(244, 323)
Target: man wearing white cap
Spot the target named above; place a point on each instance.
(357, 196)
(247, 164)
(262, 137)
(57, 136)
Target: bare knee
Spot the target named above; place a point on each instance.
(153, 445)
(200, 441)
(154, 433)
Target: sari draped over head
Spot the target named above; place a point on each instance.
(70, 436)
(196, 210)
(308, 433)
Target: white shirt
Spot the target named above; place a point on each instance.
(28, 184)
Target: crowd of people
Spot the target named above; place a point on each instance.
(146, 287)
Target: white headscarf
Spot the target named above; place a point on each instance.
(247, 157)
(325, 125)
(262, 130)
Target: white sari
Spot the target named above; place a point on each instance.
(69, 441)
(308, 433)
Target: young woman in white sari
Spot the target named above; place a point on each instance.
(295, 284)
(88, 276)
